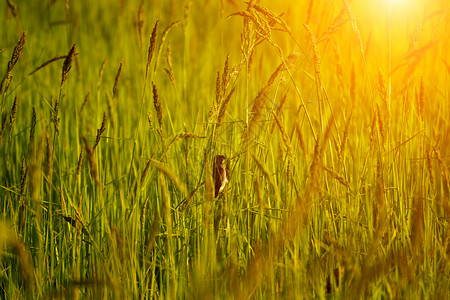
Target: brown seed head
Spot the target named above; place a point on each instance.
(67, 64)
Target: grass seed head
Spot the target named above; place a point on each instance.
(151, 47)
(157, 105)
(161, 42)
(3, 126)
(116, 81)
(381, 124)
(67, 64)
(17, 52)
(12, 117)
(100, 131)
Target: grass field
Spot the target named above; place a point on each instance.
(334, 117)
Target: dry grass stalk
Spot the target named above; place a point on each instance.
(169, 70)
(48, 158)
(327, 134)
(372, 137)
(56, 58)
(157, 105)
(271, 17)
(314, 168)
(149, 118)
(338, 22)
(3, 128)
(25, 262)
(12, 8)
(268, 177)
(430, 166)
(7, 84)
(309, 11)
(218, 89)
(119, 242)
(17, 52)
(111, 112)
(380, 210)
(100, 131)
(116, 81)
(12, 117)
(86, 99)
(447, 66)
(421, 100)
(143, 213)
(223, 108)
(352, 19)
(183, 135)
(317, 156)
(67, 7)
(67, 64)
(336, 176)
(6, 81)
(251, 59)
(279, 109)
(284, 134)
(161, 42)
(168, 56)
(36, 175)
(188, 135)
(444, 168)
(353, 84)
(209, 189)
(166, 204)
(259, 195)
(80, 162)
(187, 9)
(261, 99)
(418, 53)
(140, 20)
(23, 185)
(174, 178)
(171, 76)
(262, 28)
(226, 69)
(92, 163)
(144, 173)
(32, 131)
(152, 47)
(301, 140)
(381, 125)
(382, 89)
(209, 180)
(55, 116)
(316, 54)
(100, 74)
(417, 225)
(345, 135)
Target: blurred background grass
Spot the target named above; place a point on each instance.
(345, 196)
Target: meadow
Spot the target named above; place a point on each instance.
(334, 118)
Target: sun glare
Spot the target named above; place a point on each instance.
(397, 2)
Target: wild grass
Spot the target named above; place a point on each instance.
(335, 122)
